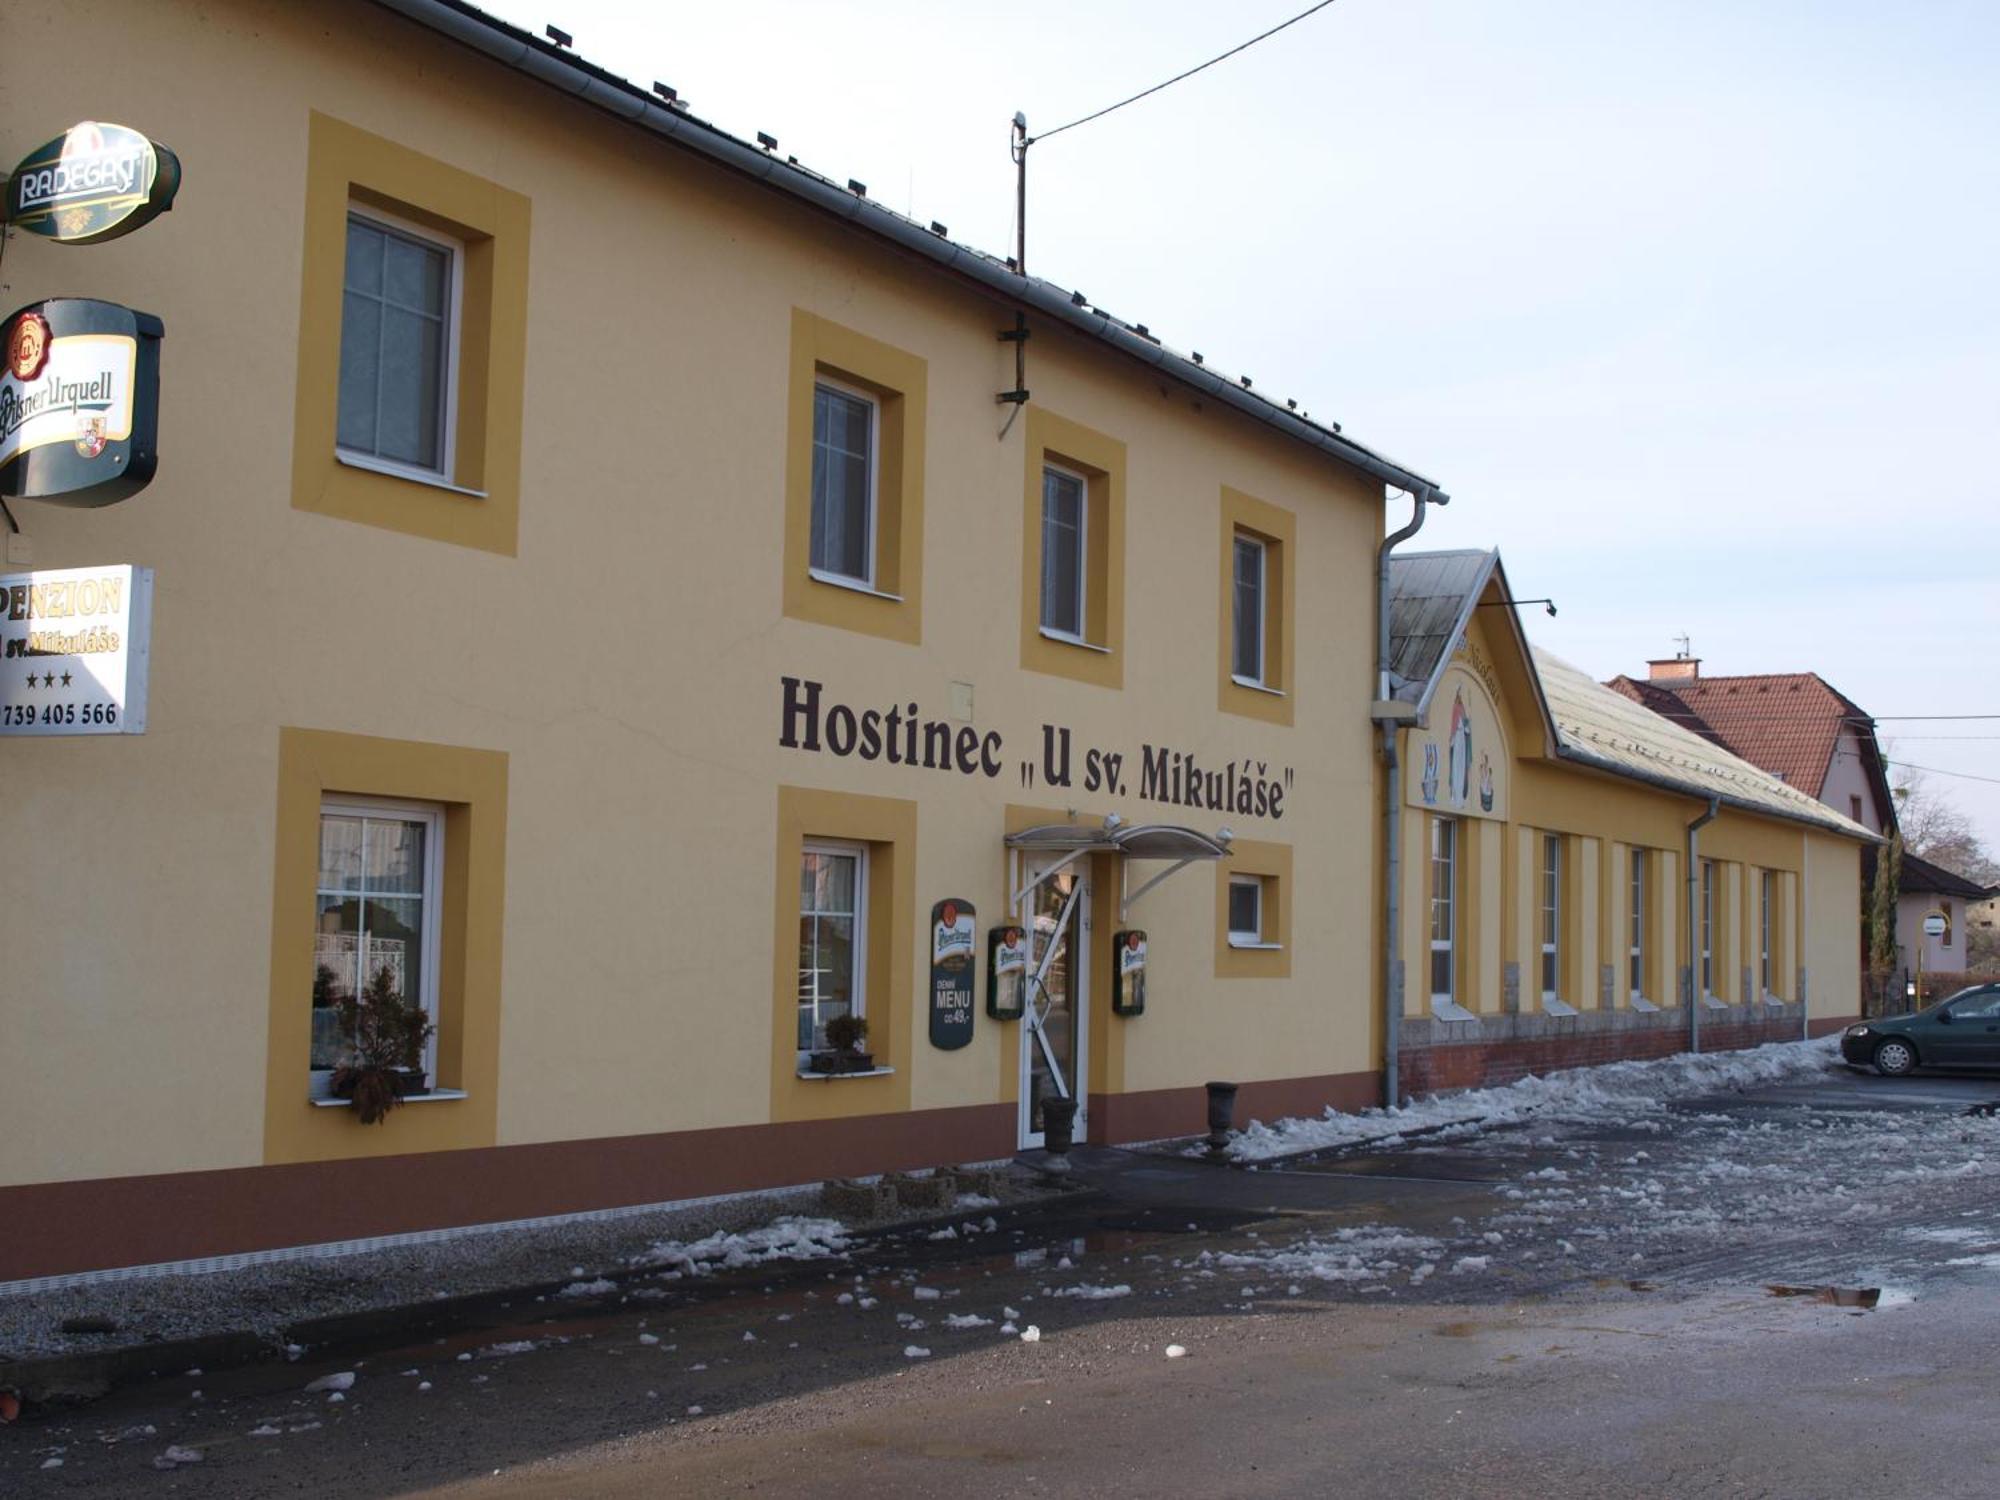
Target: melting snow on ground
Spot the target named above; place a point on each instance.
(787, 1239)
(1615, 1090)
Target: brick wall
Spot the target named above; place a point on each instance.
(1500, 1049)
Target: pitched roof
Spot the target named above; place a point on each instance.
(1430, 594)
(1614, 732)
(555, 65)
(1431, 599)
(1787, 722)
(1920, 875)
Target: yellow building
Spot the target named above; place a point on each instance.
(1551, 826)
(598, 599)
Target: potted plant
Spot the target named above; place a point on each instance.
(843, 1052)
(386, 1051)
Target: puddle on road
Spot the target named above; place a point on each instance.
(1833, 1296)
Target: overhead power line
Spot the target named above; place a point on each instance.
(1169, 83)
(1935, 771)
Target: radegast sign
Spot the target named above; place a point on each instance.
(901, 734)
(92, 183)
(79, 402)
(74, 645)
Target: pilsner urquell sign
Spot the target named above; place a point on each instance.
(92, 183)
(79, 401)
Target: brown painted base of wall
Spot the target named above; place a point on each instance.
(64, 1227)
(1494, 1050)
(1159, 1113)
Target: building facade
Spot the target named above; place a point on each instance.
(1551, 827)
(613, 592)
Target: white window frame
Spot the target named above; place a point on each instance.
(1708, 929)
(1081, 636)
(1767, 883)
(865, 584)
(1444, 898)
(859, 852)
(430, 943)
(1258, 679)
(1240, 937)
(454, 305)
(1635, 939)
(1551, 923)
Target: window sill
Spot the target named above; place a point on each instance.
(1712, 1002)
(1450, 1010)
(1254, 945)
(1255, 686)
(1641, 1003)
(1063, 639)
(433, 1097)
(1771, 999)
(852, 585)
(805, 1077)
(1551, 1006)
(399, 471)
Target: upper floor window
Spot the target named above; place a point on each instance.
(398, 345)
(1065, 550)
(846, 425)
(1247, 657)
(1854, 808)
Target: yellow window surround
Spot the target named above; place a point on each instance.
(1277, 529)
(893, 606)
(1272, 864)
(471, 786)
(478, 503)
(887, 826)
(1100, 460)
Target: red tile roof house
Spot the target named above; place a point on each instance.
(1799, 727)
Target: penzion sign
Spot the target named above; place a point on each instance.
(92, 183)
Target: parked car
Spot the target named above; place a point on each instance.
(1960, 1032)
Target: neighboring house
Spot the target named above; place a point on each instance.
(1812, 736)
(1928, 888)
(1546, 834)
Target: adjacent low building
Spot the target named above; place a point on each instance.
(1586, 880)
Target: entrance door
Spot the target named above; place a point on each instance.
(1055, 1026)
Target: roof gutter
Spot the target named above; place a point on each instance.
(546, 64)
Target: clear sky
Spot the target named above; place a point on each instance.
(1694, 308)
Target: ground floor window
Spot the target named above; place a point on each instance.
(1444, 908)
(1246, 910)
(1707, 928)
(1551, 914)
(1766, 899)
(833, 927)
(375, 925)
(1635, 978)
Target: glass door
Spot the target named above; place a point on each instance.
(1054, 1026)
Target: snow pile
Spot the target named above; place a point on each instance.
(598, 1288)
(1091, 1293)
(1365, 1253)
(1614, 1090)
(786, 1239)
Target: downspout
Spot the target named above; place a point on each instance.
(1694, 995)
(1390, 723)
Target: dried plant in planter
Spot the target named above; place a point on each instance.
(846, 1037)
(388, 1034)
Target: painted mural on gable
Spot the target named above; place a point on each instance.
(1459, 763)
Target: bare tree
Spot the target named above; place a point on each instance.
(1936, 829)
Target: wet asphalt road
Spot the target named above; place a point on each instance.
(1572, 1307)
